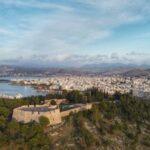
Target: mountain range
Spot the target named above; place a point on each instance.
(96, 69)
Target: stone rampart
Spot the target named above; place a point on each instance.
(75, 110)
(26, 116)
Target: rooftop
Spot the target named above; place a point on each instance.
(37, 108)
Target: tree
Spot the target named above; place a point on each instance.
(44, 121)
(117, 95)
(2, 122)
(13, 128)
(53, 102)
(96, 115)
(75, 96)
(4, 112)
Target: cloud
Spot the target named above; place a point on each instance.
(68, 60)
(127, 58)
(4, 31)
(119, 12)
(34, 4)
(137, 58)
(66, 31)
(59, 34)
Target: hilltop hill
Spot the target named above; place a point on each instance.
(137, 72)
(103, 69)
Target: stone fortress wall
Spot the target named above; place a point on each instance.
(25, 114)
(30, 113)
(77, 109)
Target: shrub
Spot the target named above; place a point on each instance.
(44, 121)
(53, 102)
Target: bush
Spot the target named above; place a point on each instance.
(53, 102)
(146, 141)
(44, 121)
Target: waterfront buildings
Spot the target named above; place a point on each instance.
(108, 84)
(17, 96)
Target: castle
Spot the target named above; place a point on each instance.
(30, 113)
(27, 114)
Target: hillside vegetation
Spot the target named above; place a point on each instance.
(115, 122)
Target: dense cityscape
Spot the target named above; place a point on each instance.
(111, 84)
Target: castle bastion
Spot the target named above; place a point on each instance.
(30, 113)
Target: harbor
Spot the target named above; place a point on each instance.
(11, 91)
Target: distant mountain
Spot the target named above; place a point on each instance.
(137, 73)
(6, 70)
(117, 68)
(99, 69)
(108, 67)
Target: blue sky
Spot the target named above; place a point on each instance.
(75, 31)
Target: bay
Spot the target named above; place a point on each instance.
(6, 88)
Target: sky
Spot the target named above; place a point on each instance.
(74, 32)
